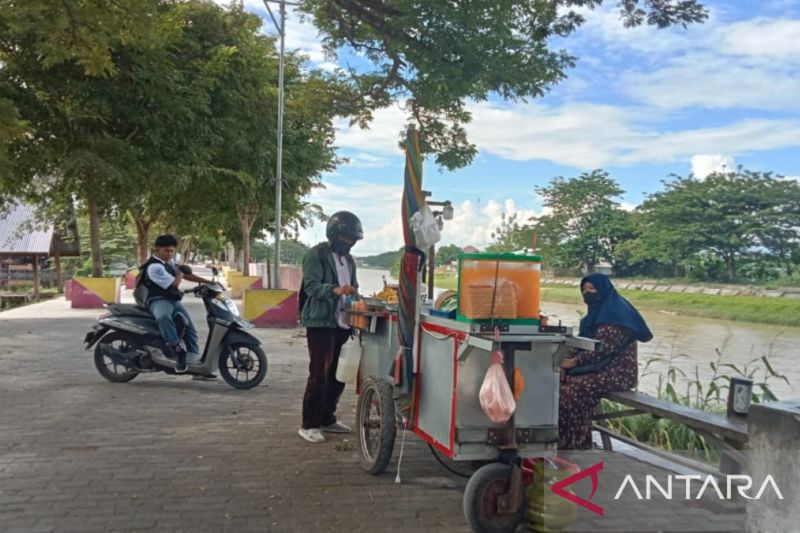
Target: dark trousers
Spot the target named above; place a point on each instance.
(322, 390)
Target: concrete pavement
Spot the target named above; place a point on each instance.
(167, 453)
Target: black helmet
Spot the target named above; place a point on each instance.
(344, 223)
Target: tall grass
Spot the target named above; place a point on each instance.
(783, 311)
(674, 385)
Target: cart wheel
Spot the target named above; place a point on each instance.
(376, 424)
(481, 500)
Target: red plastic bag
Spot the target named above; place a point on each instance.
(496, 396)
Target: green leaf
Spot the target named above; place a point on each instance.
(768, 393)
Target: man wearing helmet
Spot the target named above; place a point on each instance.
(329, 277)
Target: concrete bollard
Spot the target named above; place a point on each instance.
(241, 283)
(270, 307)
(89, 293)
(774, 434)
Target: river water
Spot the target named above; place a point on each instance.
(691, 342)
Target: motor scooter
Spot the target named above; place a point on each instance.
(128, 342)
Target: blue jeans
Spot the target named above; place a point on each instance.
(165, 312)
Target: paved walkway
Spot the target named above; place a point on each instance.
(165, 453)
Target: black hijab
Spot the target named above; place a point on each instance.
(611, 308)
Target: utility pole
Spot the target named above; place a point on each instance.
(281, 27)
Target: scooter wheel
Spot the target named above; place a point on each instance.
(243, 366)
(107, 368)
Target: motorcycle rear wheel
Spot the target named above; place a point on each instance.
(107, 368)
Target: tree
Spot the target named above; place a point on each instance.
(439, 54)
(241, 174)
(585, 223)
(727, 214)
(512, 235)
(447, 254)
(57, 57)
(292, 252)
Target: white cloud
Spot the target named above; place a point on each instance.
(364, 160)
(711, 80)
(576, 134)
(378, 207)
(764, 37)
(738, 138)
(705, 164)
(588, 135)
(474, 225)
(381, 137)
(604, 27)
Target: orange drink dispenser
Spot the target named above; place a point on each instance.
(503, 287)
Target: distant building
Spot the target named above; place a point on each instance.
(26, 241)
(469, 250)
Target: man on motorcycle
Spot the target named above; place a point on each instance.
(329, 277)
(161, 276)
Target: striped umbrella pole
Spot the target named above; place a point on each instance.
(413, 200)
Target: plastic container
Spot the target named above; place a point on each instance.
(349, 359)
(513, 281)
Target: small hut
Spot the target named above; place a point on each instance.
(24, 236)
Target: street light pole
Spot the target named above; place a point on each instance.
(276, 274)
(281, 27)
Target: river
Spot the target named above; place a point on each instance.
(692, 342)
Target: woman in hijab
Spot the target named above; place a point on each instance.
(613, 321)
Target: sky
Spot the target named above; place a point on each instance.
(641, 103)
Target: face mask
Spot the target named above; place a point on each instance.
(591, 298)
(340, 247)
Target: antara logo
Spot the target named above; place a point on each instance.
(592, 471)
(742, 483)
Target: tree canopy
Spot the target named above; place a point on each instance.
(439, 54)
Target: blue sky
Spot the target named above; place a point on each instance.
(641, 103)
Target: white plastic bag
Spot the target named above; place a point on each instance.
(496, 396)
(349, 359)
(425, 228)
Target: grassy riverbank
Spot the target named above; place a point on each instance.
(781, 311)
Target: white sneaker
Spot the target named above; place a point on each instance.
(312, 435)
(337, 427)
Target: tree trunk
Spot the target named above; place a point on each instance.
(731, 260)
(94, 235)
(675, 270)
(142, 237)
(186, 246)
(35, 277)
(246, 253)
(246, 220)
(59, 274)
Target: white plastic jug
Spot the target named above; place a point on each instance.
(349, 359)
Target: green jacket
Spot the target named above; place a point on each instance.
(319, 280)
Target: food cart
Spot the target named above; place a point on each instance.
(497, 308)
